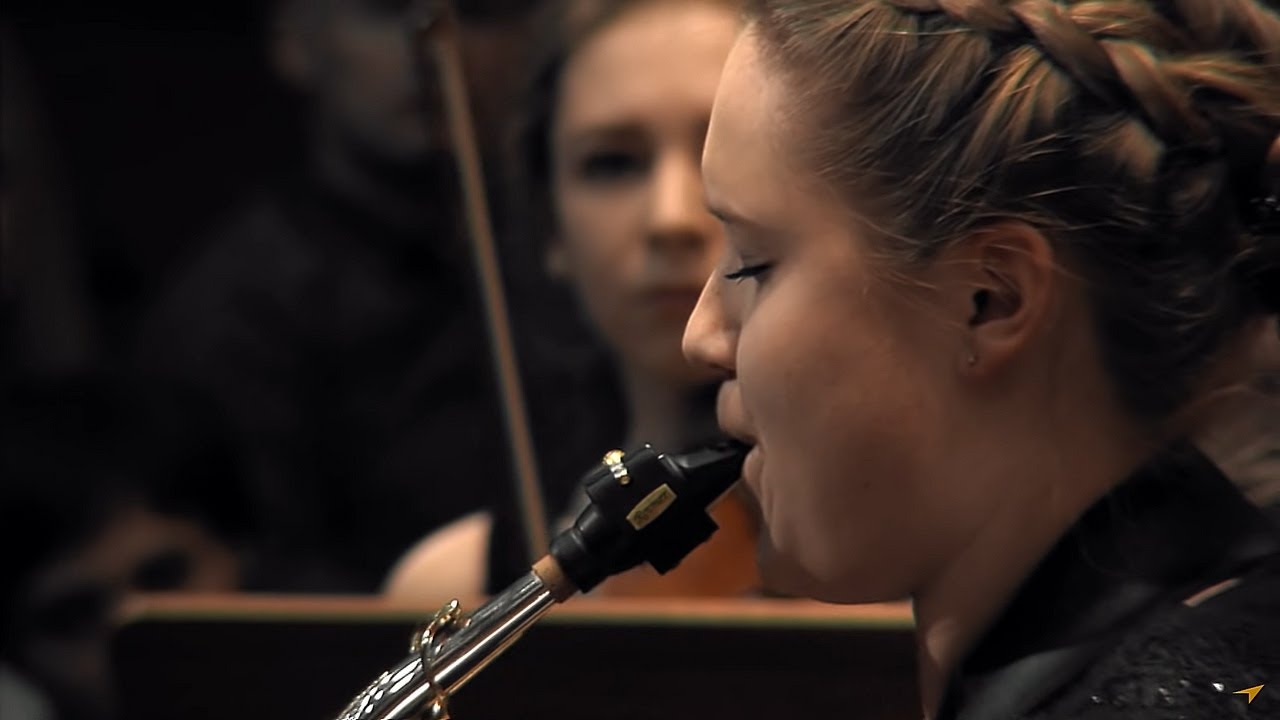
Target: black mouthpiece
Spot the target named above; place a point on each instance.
(646, 507)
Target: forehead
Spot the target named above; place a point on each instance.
(658, 55)
(744, 157)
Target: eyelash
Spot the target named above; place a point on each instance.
(749, 271)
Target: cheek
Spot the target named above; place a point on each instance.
(787, 386)
(841, 415)
(602, 246)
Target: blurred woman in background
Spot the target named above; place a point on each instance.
(609, 164)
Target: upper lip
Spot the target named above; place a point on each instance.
(730, 417)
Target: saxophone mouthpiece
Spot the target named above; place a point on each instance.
(646, 507)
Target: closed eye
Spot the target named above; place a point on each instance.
(749, 271)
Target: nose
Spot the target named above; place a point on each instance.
(678, 220)
(711, 336)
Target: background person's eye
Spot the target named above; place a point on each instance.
(611, 165)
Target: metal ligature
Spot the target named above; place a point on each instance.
(643, 507)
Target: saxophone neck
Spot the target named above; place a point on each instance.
(450, 649)
(497, 624)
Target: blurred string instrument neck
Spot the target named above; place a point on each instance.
(435, 41)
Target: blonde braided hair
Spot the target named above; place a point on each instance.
(1139, 135)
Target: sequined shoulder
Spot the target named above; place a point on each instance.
(1188, 663)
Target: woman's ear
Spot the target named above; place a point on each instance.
(1011, 276)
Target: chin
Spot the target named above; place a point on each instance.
(783, 574)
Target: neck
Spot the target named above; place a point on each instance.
(664, 414)
(1054, 482)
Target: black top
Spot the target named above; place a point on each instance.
(1100, 629)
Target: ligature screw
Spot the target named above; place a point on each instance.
(613, 460)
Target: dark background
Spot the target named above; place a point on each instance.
(162, 113)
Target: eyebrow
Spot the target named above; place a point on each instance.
(730, 217)
(605, 131)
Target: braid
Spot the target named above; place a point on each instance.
(1121, 72)
(1243, 25)
(1134, 133)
